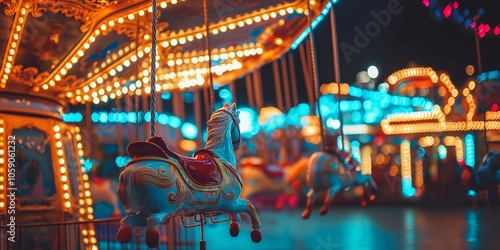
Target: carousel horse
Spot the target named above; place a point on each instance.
(332, 171)
(159, 183)
(262, 178)
(483, 180)
(279, 174)
(102, 191)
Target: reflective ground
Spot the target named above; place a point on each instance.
(384, 228)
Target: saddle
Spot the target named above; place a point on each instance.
(202, 169)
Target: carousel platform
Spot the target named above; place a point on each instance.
(372, 228)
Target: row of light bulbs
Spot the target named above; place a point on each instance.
(245, 50)
(403, 74)
(78, 53)
(406, 160)
(13, 41)
(85, 199)
(66, 199)
(2, 166)
(393, 129)
(182, 38)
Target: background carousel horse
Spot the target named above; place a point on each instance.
(332, 170)
(104, 190)
(263, 174)
(159, 183)
(483, 180)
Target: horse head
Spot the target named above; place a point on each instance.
(491, 161)
(224, 135)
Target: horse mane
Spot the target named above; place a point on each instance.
(491, 160)
(217, 126)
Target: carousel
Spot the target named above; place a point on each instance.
(59, 54)
(147, 92)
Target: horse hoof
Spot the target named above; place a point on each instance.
(234, 229)
(124, 234)
(364, 203)
(323, 211)
(306, 214)
(152, 238)
(256, 235)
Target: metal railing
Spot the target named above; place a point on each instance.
(94, 234)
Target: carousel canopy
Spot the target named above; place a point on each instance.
(96, 50)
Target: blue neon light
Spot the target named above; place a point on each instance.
(470, 159)
(314, 23)
(488, 76)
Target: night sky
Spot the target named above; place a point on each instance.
(413, 37)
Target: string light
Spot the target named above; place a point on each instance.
(463, 17)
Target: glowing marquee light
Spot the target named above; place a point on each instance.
(407, 185)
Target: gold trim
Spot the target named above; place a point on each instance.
(207, 202)
(185, 177)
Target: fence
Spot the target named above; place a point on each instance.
(94, 234)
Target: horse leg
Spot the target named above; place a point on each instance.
(490, 197)
(311, 197)
(473, 200)
(244, 205)
(328, 199)
(234, 227)
(128, 223)
(153, 225)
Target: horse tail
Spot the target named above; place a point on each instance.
(126, 191)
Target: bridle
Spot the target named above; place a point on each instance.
(236, 126)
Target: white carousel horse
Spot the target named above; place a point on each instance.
(158, 183)
(483, 180)
(333, 171)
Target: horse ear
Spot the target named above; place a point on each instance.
(233, 106)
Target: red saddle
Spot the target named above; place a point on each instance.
(202, 169)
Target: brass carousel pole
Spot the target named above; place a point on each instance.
(307, 76)
(480, 70)
(286, 83)
(277, 86)
(314, 75)
(209, 53)
(293, 82)
(248, 84)
(336, 68)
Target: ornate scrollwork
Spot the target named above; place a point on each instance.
(28, 76)
(229, 196)
(100, 3)
(183, 195)
(129, 29)
(11, 6)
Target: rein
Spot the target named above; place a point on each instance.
(235, 122)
